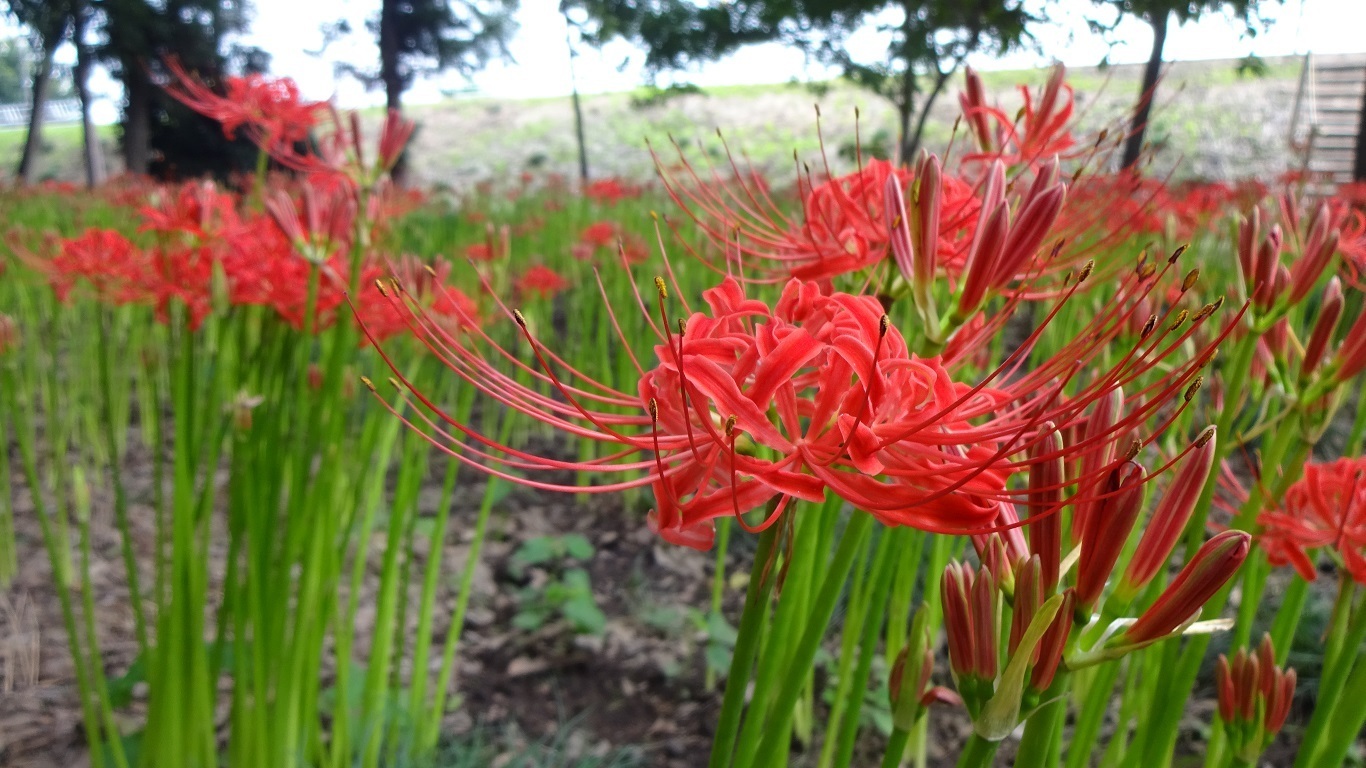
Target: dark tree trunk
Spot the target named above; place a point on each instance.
(1133, 147)
(940, 80)
(905, 107)
(389, 73)
(94, 162)
(137, 119)
(33, 142)
(578, 107)
(1359, 163)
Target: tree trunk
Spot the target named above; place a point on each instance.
(389, 73)
(578, 107)
(137, 119)
(1359, 164)
(1133, 147)
(33, 142)
(905, 107)
(94, 162)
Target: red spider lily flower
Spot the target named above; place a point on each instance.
(1325, 508)
(599, 234)
(1209, 569)
(1168, 521)
(845, 226)
(1039, 132)
(197, 209)
(270, 109)
(1255, 695)
(423, 283)
(326, 225)
(118, 271)
(540, 281)
(750, 404)
(480, 252)
(610, 190)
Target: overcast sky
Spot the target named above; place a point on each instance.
(290, 31)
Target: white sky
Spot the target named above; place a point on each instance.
(289, 29)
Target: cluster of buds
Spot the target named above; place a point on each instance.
(1254, 699)
(996, 691)
(326, 226)
(1273, 286)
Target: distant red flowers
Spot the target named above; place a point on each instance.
(1324, 509)
(541, 282)
(271, 109)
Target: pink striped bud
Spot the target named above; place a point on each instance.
(974, 103)
(1105, 535)
(1037, 215)
(969, 601)
(1351, 357)
(928, 198)
(1045, 498)
(1053, 643)
(988, 245)
(899, 227)
(1319, 247)
(1249, 236)
(1254, 699)
(1268, 259)
(1330, 311)
(1099, 452)
(1170, 518)
(1208, 570)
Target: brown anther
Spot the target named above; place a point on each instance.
(393, 382)
(1176, 254)
(1189, 282)
(1208, 309)
(517, 315)
(1146, 271)
(1205, 437)
(654, 410)
(1142, 259)
(1193, 388)
(1148, 327)
(882, 324)
(1180, 318)
(379, 284)
(660, 287)
(730, 426)
(368, 383)
(1134, 448)
(1086, 271)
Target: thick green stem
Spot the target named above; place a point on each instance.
(896, 748)
(761, 578)
(978, 753)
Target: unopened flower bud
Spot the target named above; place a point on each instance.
(1208, 570)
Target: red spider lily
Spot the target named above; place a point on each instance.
(540, 281)
(599, 234)
(610, 190)
(751, 404)
(845, 226)
(1255, 695)
(1040, 131)
(480, 252)
(197, 209)
(423, 283)
(1325, 508)
(270, 109)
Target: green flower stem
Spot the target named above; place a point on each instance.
(1099, 692)
(1346, 631)
(761, 578)
(718, 582)
(896, 748)
(1043, 728)
(774, 746)
(978, 753)
(1346, 717)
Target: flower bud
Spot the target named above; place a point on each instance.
(1254, 699)
(1170, 518)
(1104, 536)
(1330, 311)
(1208, 570)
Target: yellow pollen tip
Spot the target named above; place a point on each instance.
(1146, 271)
(517, 315)
(394, 383)
(882, 324)
(1176, 254)
(654, 410)
(428, 268)
(682, 326)
(661, 288)
(1133, 450)
(379, 284)
(730, 426)
(1148, 327)
(1189, 282)
(1194, 387)
(368, 383)
(1180, 318)
(1208, 310)
(1086, 271)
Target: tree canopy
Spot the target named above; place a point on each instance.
(928, 39)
